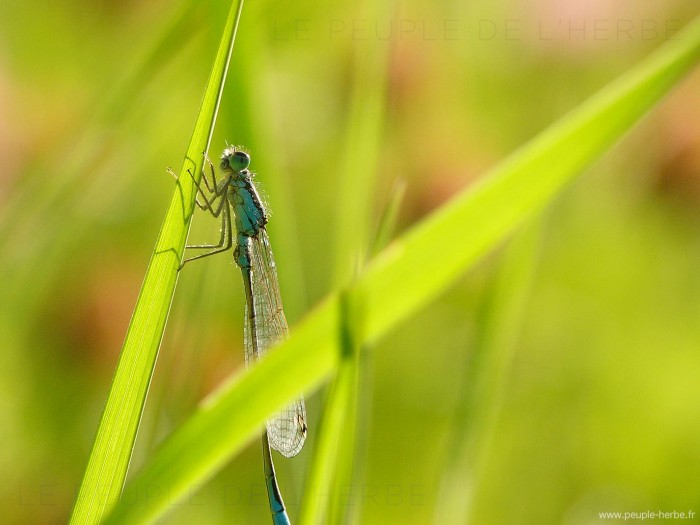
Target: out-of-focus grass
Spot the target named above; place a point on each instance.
(598, 393)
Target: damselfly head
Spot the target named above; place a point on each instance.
(234, 159)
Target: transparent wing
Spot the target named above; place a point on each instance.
(287, 429)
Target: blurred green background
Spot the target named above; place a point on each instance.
(592, 403)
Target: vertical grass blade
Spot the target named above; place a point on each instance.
(357, 176)
(360, 151)
(334, 428)
(484, 381)
(336, 441)
(111, 453)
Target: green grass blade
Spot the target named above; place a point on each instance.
(346, 414)
(336, 434)
(357, 171)
(344, 505)
(111, 453)
(390, 217)
(357, 174)
(404, 278)
(479, 404)
(334, 429)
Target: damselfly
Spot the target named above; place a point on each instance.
(265, 324)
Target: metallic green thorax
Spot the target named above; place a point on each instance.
(247, 207)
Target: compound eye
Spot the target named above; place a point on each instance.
(239, 161)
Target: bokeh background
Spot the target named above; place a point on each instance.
(593, 404)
